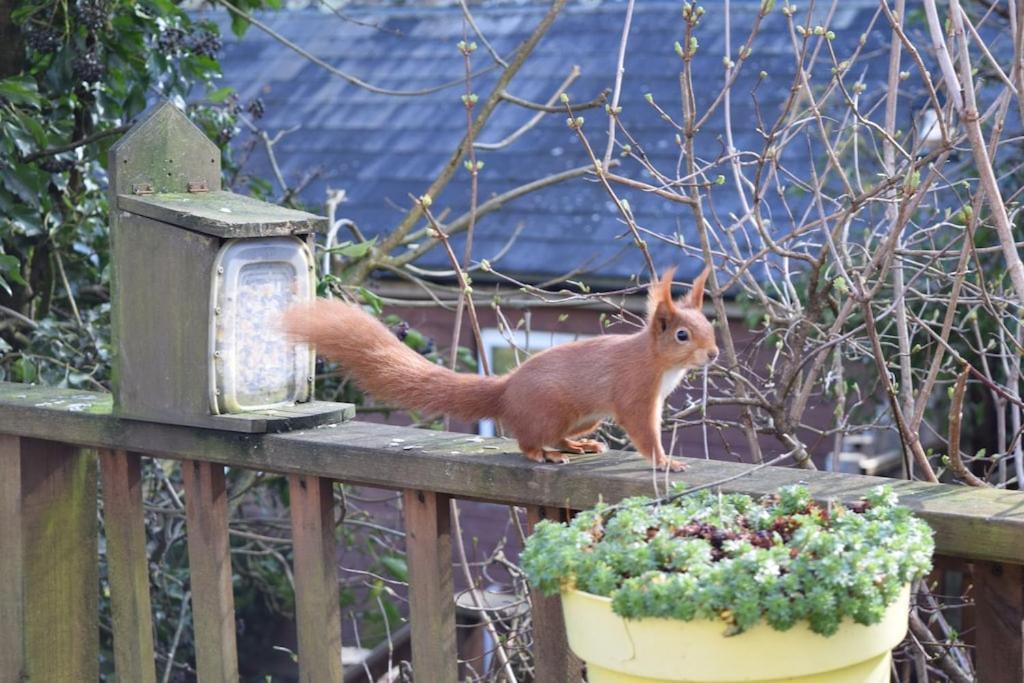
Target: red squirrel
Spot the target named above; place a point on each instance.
(552, 398)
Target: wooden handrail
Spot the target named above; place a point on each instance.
(40, 427)
(969, 523)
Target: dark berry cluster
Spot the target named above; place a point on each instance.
(401, 330)
(55, 164)
(92, 13)
(171, 41)
(255, 108)
(42, 39)
(206, 43)
(88, 67)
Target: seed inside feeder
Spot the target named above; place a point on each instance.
(255, 366)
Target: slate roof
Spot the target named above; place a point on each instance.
(381, 149)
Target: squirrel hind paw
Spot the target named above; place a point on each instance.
(544, 455)
(583, 446)
(671, 465)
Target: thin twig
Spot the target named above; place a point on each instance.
(956, 406)
(87, 140)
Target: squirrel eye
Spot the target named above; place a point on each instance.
(682, 335)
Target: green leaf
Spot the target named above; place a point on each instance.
(396, 566)
(22, 217)
(371, 300)
(239, 25)
(11, 269)
(26, 182)
(353, 250)
(220, 94)
(20, 137)
(325, 284)
(25, 370)
(34, 128)
(466, 358)
(414, 340)
(20, 90)
(136, 101)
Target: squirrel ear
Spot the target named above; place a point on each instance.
(659, 299)
(695, 298)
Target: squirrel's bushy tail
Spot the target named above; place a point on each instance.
(385, 367)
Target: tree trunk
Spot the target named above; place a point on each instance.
(12, 50)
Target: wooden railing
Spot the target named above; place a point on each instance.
(48, 534)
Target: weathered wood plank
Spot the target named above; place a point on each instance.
(127, 565)
(999, 618)
(165, 337)
(48, 608)
(428, 541)
(164, 150)
(222, 214)
(209, 561)
(552, 658)
(317, 610)
(970, 523)
(12, 589)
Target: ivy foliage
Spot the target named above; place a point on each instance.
(78, 73)
(781, 560)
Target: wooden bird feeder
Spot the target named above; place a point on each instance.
(200, 277)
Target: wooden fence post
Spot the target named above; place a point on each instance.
(124, 522)
(999, 622)
(428, 541)
(552, 658)
(49, 575)
(209, 563)
(317, 611)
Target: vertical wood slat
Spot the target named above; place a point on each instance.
(209, 561)
(12, 594)
(431, 591)
(999, 617)
(127, 566)
(553, 660)
(48, 562)
(317, 610)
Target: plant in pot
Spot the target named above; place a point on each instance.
(713, 587)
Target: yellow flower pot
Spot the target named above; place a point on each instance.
(618, 650)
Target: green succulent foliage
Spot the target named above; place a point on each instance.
(780, 560)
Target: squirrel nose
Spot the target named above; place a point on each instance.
(712, 354)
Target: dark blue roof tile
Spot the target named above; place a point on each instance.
(381, 149)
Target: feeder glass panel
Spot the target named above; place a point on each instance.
(254, 366)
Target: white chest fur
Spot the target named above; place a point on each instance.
(669, 381)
